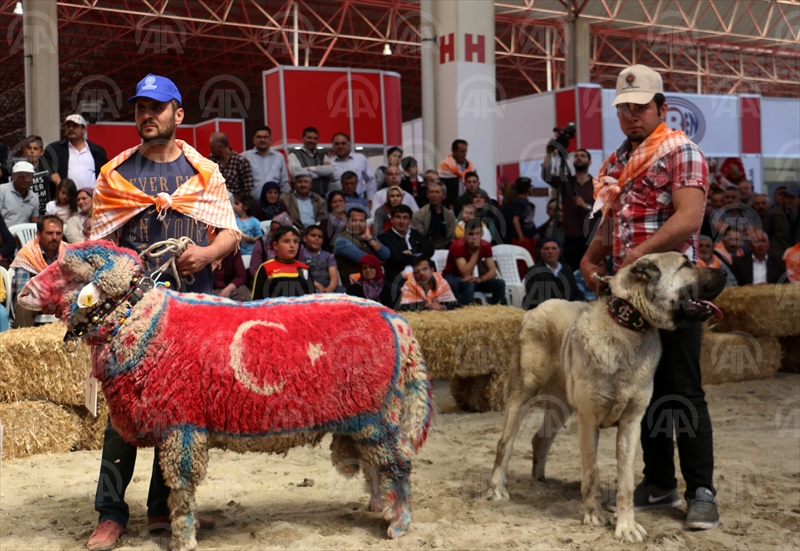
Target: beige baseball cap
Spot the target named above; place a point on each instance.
(77, 119)
(638, 84)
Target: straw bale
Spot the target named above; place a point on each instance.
(737, 356)
(467, 342)
(37, 427)
(791, 354)
(760, 310)
(92, 428)
(480, 393)
(35, 366)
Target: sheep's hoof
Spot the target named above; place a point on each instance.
(396, 532)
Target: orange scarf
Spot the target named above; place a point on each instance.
(715, 263)
(720, 249)
(792, 259)
(449, 168)
(660, 142)
(31, 259)
(203, 197)
(412, 292)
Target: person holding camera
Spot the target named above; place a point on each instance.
(577, 198)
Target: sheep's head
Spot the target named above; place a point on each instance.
(86, 274)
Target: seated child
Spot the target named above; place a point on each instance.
(65, 205)
(283, 276)
(467, 214)
(369, 282)
(321, 263)
(230, 279)
(425, 289)
(249, 225)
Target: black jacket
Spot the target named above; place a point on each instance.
(541, 285)
(56, 155)
(420, 246)
(743, 269)
(5, 163)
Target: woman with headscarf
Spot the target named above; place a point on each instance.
(383, 216)
(333, 222)
(369, 282)
(73, 229)
(270, 201)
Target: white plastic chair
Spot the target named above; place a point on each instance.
(440, 259)
(246, 260)
(505, 257)
(25, 232)
(265, 226)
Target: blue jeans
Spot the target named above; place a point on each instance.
(116, 471)
(465, 290)
(3, 318)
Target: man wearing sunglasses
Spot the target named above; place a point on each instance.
(651, 193)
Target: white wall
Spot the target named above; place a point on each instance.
(780, 127)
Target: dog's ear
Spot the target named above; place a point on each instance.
(645, 268)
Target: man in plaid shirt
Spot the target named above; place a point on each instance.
(235, 168)
(653, 189)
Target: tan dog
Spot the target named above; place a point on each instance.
(599, 360)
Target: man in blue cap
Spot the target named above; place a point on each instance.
(172, 192)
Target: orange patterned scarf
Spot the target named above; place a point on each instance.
(792, 259)
(31, 259)
(660, 142)
(449, 168)
(720, 249)
(203, 197)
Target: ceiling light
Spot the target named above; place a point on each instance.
(298, 148)
(386, 49)
(18, 10)
(359, 148)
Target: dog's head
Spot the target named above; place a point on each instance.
(86, 274)
(667, 289)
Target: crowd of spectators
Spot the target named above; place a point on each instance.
(375, 233)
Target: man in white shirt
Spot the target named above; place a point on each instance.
(18, 203)
(758, 267)
(311, 159)
(75, 157)
(268, 166)
(345, 160)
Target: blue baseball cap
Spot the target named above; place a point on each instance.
(157, 88)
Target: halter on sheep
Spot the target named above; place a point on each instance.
(189, 372)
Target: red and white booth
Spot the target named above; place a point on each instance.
(116, 137)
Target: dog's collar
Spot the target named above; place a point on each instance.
(101, 311)
(626, 315)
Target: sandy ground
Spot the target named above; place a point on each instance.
(46, 502)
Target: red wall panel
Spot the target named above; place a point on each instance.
(235, 131)
(750, 117)
(272, 91)
(590, 111)
(565, 112)
(394, 111)
(185, 133)
(316, 98)
(115, 138)
(202, 134)
(367, 108)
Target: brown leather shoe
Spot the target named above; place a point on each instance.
(161, 522)
(105, 536)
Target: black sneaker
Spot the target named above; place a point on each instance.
(649, 497)
(702, 513)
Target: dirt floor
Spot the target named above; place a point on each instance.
(260, 502)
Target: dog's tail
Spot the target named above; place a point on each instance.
(415, 388)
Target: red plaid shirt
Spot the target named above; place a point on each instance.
(237, 172)
(646, 202)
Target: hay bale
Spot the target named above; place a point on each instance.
(35, 366)
(37, 427)
(468, 342)
(790, 347)
(92, 428)
(738, 356)
(481, 393)
(760, 310)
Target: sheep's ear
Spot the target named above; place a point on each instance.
(114, 278)
(89, 296)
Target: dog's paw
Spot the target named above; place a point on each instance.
(630, 532)
(595, 517)
(498, 493)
